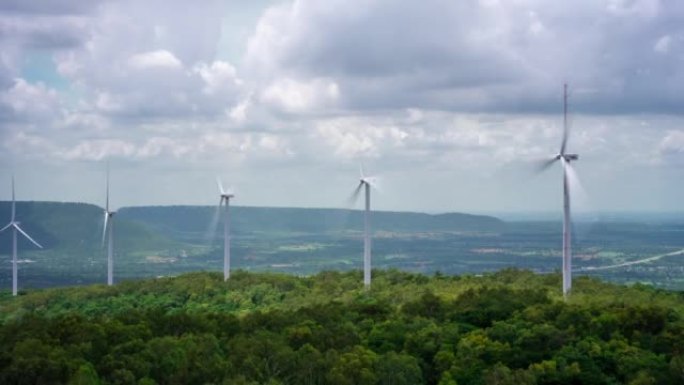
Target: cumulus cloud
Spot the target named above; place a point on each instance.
(475, 56)
(672, 143)
(301, 96)
(25, 101)
(433, 88)
(217, 76)
(239, 112)
(155, 59)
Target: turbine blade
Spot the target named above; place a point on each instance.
(220, 186)
(577, 190)
(374, 182)
(107, 199)
(211, 229)
(6, 227)
(565, 120)
(565, 140)
(14, 208)
(16, 226)
(104, 228)
(354, 195)
(361, 170)
(543, 165)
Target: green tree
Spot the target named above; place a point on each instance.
(398, 369)
(355, 367)
(85, 375)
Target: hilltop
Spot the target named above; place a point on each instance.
(173, 220)
(60, 224)
(510, 327)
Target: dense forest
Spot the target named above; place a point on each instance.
(509, 327)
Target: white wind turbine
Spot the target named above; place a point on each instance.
(14, 225)
(225, 196)
(565, 160)
(108, 236)
(366, 183)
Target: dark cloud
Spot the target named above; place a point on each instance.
(475, 56)
(52, 7)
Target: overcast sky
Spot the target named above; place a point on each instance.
(449, 102)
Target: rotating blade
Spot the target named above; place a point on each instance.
(104, 227)
(107, 199)
(374, 182)
(543, 165)
(351, 201)
(6, 227)
(577, 191)
(220, 186)
(213, 224)
(564, 142)
(16, 226)
(14, 208)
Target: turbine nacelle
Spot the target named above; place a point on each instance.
(224, 194)
(567, 157)
(371, 181)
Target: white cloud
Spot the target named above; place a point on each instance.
(663, 44)
(30, 101)
(672, 142)
(219, 75)
(239, 112)
(358, 137)
(458, 91)
(97, 150)
(301, 96)
(155, 59)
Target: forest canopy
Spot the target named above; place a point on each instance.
(510, 327)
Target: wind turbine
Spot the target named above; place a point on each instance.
(14, 225)
(565, 160)
(108, 236)
(365, 183)
(225, 196)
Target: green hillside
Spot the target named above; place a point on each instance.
(71, 234)
(162, 241)
(184, 221)
(510, 327)
(72, 226)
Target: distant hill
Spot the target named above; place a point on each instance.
(73, 253)
(78, 225)
(70, 226)
(174, 221)
(156, 241)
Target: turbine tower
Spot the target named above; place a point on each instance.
(565, 160)
(366, 183)
(225, 197)
(108, 236)
(14, 225)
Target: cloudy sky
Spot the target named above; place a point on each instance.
(450, 102)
